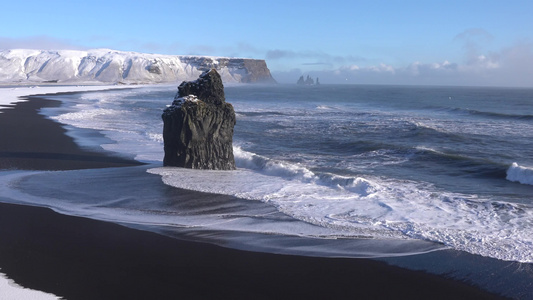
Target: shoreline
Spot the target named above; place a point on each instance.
(80, 258)
(43, 144)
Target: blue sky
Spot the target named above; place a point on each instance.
(379, 42)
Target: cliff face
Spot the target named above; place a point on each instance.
(198, 126)
(259, 71)
(109, 66)
(251, 70)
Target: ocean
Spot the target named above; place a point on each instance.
(386, 172)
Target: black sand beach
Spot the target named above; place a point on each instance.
(32, 142)
(79, 258)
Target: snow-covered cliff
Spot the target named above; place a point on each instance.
(20, 66)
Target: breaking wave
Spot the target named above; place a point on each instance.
(517, 173)
(370, 206)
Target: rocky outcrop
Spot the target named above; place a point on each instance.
(308, 81)
(250, 70)
(198, 126)
(257, 71)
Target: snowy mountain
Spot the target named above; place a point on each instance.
(20, 66)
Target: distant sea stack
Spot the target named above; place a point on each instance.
(308, 81)
(198, 126)
(24, 66)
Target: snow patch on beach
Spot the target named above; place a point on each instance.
(12, 95)
(11, 291)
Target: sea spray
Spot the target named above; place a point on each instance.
(517, 173)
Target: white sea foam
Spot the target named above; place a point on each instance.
(326, 107)
(270, 167)
(517, 173)
(371, 206)
(129, 131)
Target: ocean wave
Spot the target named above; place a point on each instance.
(383, 157)
(84, 115)
(470, 166)
(262, 113)
(435, 154)
(371, 206)
(249, 160)
(489, 114)
(428, 130)
(517, 173)
(326, 107)
(291, 171)
(156, 137)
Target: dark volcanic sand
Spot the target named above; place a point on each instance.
(30, 141)
(79, 258)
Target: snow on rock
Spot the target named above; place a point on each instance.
(25, 66)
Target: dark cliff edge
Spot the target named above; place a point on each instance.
(254, 70)
(258, 71)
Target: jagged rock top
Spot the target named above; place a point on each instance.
(208, 88)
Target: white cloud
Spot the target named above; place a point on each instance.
(481, 66)
(512, 66)
(444, 65)
(382, 68)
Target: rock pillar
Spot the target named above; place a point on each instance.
(198, 126)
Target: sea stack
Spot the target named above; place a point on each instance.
(198, 126)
